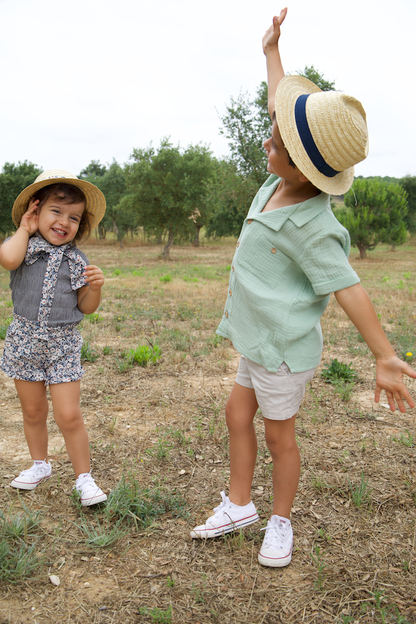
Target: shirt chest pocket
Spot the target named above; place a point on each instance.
(257, 255)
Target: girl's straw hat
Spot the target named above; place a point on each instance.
(95, 200)
(325, 133)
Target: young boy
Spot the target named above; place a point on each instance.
(291, 254)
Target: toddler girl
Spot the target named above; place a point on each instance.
(53, 286)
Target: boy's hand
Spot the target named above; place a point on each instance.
(389, 377)
(29, 221)
(271, 37)
(94, 277)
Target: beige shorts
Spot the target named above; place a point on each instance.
(280, 394)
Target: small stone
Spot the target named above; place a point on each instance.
(55, 580)
(182, 472)
(87, 584)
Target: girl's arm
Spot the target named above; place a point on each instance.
(273, 62)
(13, 251)
(89, 296)
(390, 369)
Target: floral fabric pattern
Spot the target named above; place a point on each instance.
(56, 359)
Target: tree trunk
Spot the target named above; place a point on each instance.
(168, 245)
(196, 239)
(393, 247)
(362, 252)
(121, 243)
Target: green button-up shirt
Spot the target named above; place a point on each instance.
(286, 264)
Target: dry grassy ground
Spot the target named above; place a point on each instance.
(159, 431)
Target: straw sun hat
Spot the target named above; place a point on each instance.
(95, 200)
(325, 133)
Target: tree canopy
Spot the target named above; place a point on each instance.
(13, 179)
(375, 214)
(409, 185)
(168, 188)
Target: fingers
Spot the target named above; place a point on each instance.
(282, 16)
(94, 276)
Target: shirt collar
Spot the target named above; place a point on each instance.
(299, 214)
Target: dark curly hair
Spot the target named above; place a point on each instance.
(67, 194)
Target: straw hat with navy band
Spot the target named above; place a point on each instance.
(95, 200)
(325, 132)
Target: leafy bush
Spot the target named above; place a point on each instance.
(338, 371)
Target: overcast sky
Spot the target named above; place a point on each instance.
(93, 79)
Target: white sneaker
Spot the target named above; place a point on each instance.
(227, 517)
(276, 551)
(90, 493)
(29, 479)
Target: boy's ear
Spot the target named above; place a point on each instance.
(302, 177)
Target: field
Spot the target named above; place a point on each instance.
(159, 444)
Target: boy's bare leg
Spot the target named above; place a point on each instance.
(240, 411)
(68, 417)
(281, 442)
(32, 395)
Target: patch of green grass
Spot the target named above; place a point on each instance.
(141, 355)
(165, 278)
(179, 340)
(407, 440)
(17, 526)
(101, 535)
(360, 493)
(141, 506)
(88, 353)
(19, 561)
(317, 559)
(93, 318)
(156, 615)
(4, 327)
(344, 389)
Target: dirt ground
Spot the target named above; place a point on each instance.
(165, 424)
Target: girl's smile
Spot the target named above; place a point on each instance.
(58, 222)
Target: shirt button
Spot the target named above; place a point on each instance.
(238, 244)
(230, 292)
(226, 314)
(273, 249)
(233, 268)
(250, 221)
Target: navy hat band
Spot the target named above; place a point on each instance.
(307, 139)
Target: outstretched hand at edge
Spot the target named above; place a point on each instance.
(389, 377)
(272, 35)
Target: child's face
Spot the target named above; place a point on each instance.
(278, 156)
(59, 222)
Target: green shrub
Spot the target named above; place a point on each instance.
(338, 371)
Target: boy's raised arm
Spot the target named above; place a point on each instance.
(390, 369)
(274, 64)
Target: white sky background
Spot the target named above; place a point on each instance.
(93, 79)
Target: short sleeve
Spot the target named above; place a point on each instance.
(325, 263)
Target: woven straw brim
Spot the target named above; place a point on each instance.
(331, 141)
(95, 200)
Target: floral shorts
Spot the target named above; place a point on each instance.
(56, 360)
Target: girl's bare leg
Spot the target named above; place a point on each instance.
(32, 395)
(68, 417)
(281, 442)
(240, 411)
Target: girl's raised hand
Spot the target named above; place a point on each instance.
(94, 277)
(29, 221)
(271, 36)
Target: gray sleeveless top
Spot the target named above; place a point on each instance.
(26, 283)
